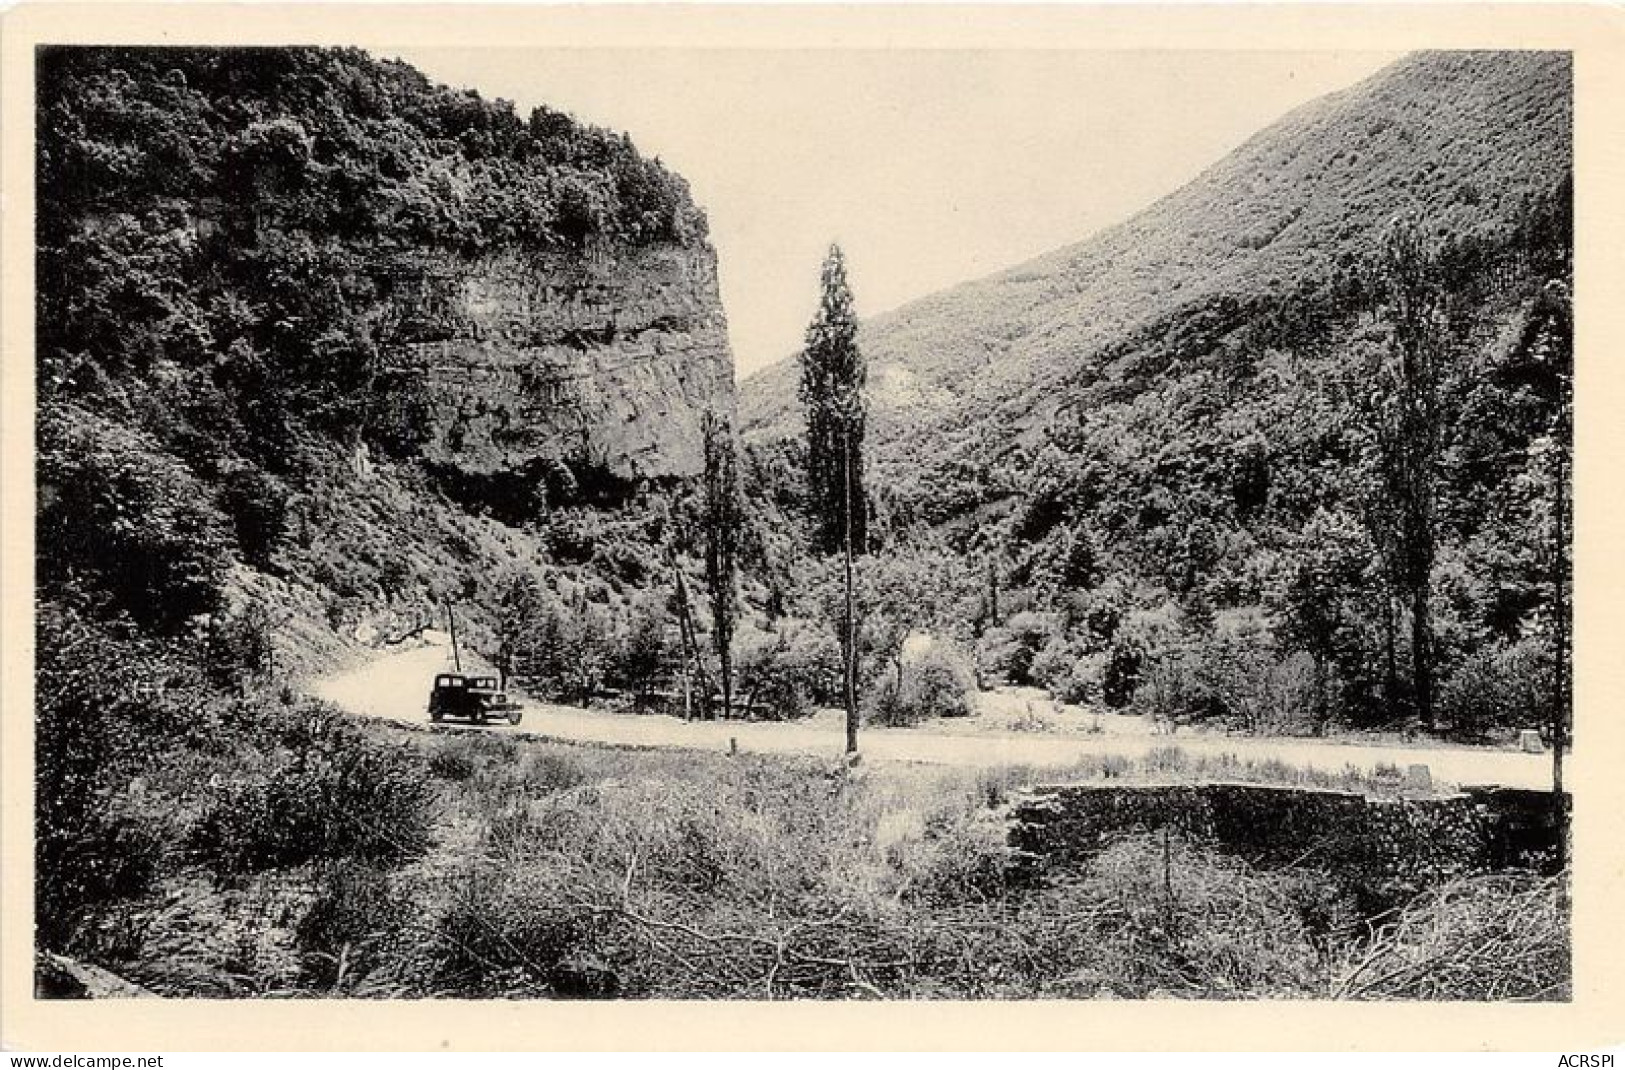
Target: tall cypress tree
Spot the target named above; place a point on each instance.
(724, 518)
(832, 380)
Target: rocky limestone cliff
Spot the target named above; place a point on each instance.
(608, 357)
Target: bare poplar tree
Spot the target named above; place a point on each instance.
(1411, 449)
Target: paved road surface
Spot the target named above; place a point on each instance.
(396, 687)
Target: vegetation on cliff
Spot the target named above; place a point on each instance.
(215, 241)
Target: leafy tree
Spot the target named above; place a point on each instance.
(892, 588)
(642, 650)
(1326, 600)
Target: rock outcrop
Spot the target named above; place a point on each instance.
(606, 358)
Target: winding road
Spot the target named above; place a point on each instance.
(395, 687)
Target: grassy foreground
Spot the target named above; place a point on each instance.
(370, 862)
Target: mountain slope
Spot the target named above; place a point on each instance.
(1463, 138)
(1169, 458)
(321, 336)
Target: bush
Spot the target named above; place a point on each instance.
(1501, 687)
(116, 511)
(1070, 673)
(103, 714)
(504, 931)
(1120, 676)
(641, 649)
(1053, 664)
(1244, 676)
(456, 759)
(936, 682)
(786, 674)
(1008, 651)
(1497, 937)
(338, 795)
(350, 925)
(1185, 921)
(257, 505)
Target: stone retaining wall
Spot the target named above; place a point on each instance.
(1390, 846)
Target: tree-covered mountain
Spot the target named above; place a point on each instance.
(1168, 440)
(306, 321)
(322, 347)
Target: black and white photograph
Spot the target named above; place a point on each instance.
(870, 524)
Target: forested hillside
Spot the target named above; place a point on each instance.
(1174, 445)
(279, 424)
(324, 349)
(256, 368)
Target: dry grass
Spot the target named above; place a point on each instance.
(1494, 937)
(569, 872)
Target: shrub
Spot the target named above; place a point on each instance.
(1187, 921)
(104, 712)
(1084, 684)
(505, 930)
(787, 673)
(456, 758)
(1245, 677)
(936, 682)
(1502, 686)
(1054, 663)
(1120, 676)
(203, 939)
(641, 648)
(1070, 673)
(114, 509)
(1008, 651)
(257, 505)
(347, 931)
(338, 795)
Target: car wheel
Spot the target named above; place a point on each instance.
(514, 715)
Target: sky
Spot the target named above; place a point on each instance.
(929, 167)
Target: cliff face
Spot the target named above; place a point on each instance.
(609, 357)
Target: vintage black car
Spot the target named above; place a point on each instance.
(476, 699)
